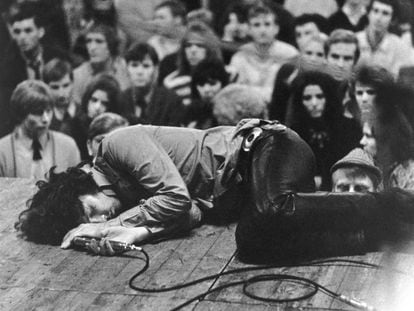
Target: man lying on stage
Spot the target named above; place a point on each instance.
(151, 182)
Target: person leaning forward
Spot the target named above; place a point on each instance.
(151, 182)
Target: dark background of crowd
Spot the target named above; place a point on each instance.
(198, 64)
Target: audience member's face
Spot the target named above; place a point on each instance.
(27, 35)
(209, 89)
(100, 207)
(344, 182)
(62, 90)
(195, 52)
(164, 17)
(365, 96)
(37, 124)
(380, 17)
(313, 50)
(368, 141)
(304, 32)
(143, 72)
(97, 47)
(98, 103)
(263, 28)
(93, 144)
(241, 30)
(314, 100)
(342, 55)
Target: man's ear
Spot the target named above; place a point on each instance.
(277, 29)
(41, 31)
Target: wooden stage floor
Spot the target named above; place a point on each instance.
(38, 277)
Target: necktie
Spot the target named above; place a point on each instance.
(35, 66)
(36, 146)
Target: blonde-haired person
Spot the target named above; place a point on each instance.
(199, 43)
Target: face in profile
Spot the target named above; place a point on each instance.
(263, 29)
(142, 73)
(344, 181)
(313, 98)
(97, 47)
(100, 207)
(98, 103)
(368, 141)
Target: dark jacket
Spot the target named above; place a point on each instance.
(164, 107)
(339, 20)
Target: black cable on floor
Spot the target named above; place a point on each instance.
(247, 283)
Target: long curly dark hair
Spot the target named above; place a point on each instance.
(55, 208)
(110, 86)
(298, 115)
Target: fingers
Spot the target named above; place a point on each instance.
(88, 229)
(103, 247)
(67, 239)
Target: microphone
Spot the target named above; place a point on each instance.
(117, 246)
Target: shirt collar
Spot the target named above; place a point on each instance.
(38, 58)
(27, 141)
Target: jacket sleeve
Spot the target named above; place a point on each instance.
(149, 165)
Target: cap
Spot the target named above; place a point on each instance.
(358, 157)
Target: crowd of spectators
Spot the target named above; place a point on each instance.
(338, 72)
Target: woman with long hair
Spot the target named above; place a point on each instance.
(101, 95)
(314, 114)
(199, 43)
(102, 45)
(392, 120)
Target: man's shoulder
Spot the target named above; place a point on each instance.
(5, 144)
(62, 138)
(82, 69)
(5, 140)
(244, 51)
(394, 40)
(280, 47)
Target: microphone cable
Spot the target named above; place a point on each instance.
(247, 283)
(313, 286)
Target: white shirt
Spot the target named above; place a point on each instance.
(392, 53)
